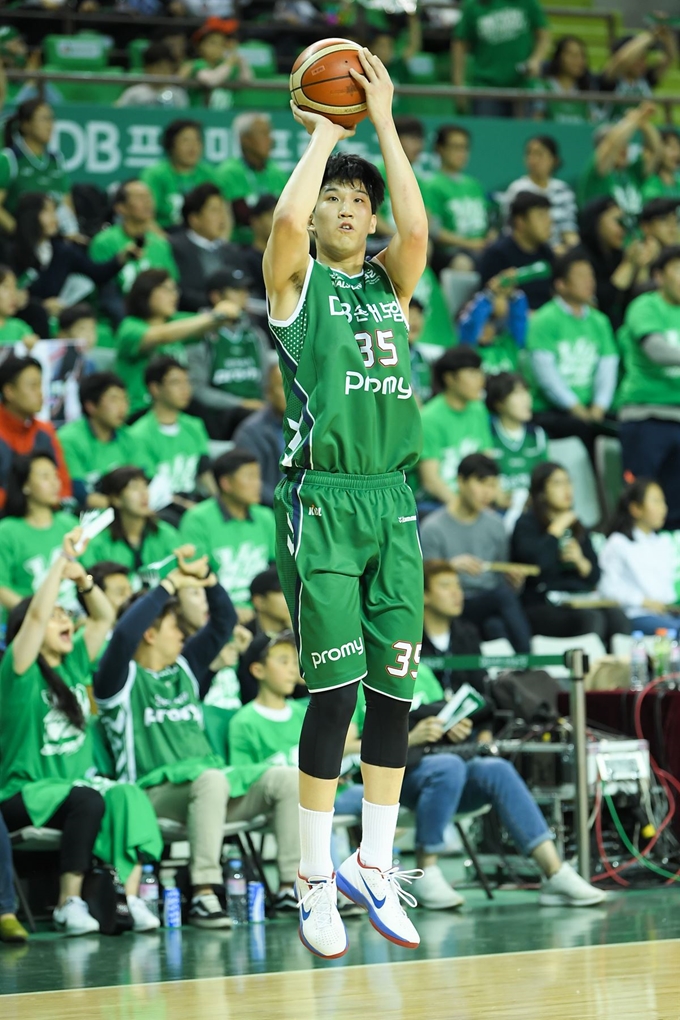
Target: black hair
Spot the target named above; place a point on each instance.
(549, 143)
(540, 477)
(158, 368)
(69, 316)
(671, 254)
(525, 201)
(22, 115)
(63, 697)
(28, 230)
(138, 302)
(99, 572)
(477, 465)
(449, 129)
(229, 463)
(453, 360)
(667, 133)
(500, 386)
(409, 126)
(347, 168)
(553, 68)
(265, 582)
(264, 204)
(114, 484)
(11, 367)
(175, 128)
(93, 387)
(120, 194)
(563, 263)
(195, 199)
(16, 504)
(622, 520)
(171, 606)
(656, 208)
(157, 52)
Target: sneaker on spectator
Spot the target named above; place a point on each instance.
(435, 893)
(321, 928)
(380, 892)
(143, 919)
(206, 912)
(567, 889)
(73, 918)
(286, 901)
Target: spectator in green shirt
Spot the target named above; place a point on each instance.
(217, 62)
(508, 41)
(182, 170)
(12, 330)
(659, 222)
(567, 74)
(519, 444)
(665, 183)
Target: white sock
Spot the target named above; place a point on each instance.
(316, 829)
(378, 825)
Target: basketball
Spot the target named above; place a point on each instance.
(321, 83)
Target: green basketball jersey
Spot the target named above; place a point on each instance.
(346, 368)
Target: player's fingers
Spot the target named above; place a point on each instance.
(363, 81)
(367, 58)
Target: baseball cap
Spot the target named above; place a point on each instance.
(225, 26)
(230, 276)
(259, 648)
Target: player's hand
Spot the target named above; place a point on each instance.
(460, 732)
(313, 122)
(377, 84)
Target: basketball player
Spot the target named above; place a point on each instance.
(348, 554)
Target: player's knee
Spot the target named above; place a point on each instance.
(384, 742)
(335, 708)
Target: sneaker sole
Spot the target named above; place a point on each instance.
(554, 900)
(441, 906)
(355, 896)
(205, 922)
(322, 956)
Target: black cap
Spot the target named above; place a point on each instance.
(230, 276)
(658, 207)
(265, 582)
(259, 647)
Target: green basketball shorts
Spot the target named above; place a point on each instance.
(351, 568)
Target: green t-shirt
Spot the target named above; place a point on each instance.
(238, 549)
(457, 203)
(21, 171)
(155, 545)
(238, 180)
(517, 455)
(438, 329)
(645, 381)
(157, 254)
(500, 356)
(655, 187)
(449, 436)
(263, 735)
(172, 453)
(236, 360)
(624, 186)
(168, 187)
(27, 553)
(577, 344)
(14, 330)
(217, 99)
(132, 361)
(500, 36)
(87, 458)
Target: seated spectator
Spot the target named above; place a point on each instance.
(21, 399)
(659, 221)
(11, 929)
(229, 365)
(153, 326)
(179, 172)
(251, 255)
(421, 374)
(114, 580)
(136, 538)
(649, 411)
(170, 756)
(12, 329)
(573, 353)
(47, 769)
(542, 160)
(134, 210)
(525, 245)
(262, 434)
(472, 538)
(567, 73)
(456, 203)
(629, 72)
(233, 528)
(638, 564)
(550, 535)
(518, 444)
(455, 422)
(411, 133)
(32, 528)
(158, 62)
(200, 248)
(218, 61)
(508, 46)
(272, 615)
(98, 442)
(495, 323)
(665, 183)
(245, 178)
(171, 447)
(612, 172)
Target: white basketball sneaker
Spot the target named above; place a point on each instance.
(379, 892)
(321, 928)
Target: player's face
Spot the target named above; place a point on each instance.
(281, 670)
(445, 595)
(343, 219)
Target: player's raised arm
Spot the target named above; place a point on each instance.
(406, 254)
(285, 258)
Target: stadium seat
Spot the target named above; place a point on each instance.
(136, 49)
(95, 92)
(458, 288)
(573, 456)
(87, 51)
(407, 821)
(608, 464)
(260, 57)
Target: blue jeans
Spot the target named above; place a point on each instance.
(7, 901)
(650, 624)
(442, 785)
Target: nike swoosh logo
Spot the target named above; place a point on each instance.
(305, 913)
(378, 903)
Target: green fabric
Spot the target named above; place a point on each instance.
(438, 329)
(346, 371)
(24, 171)
(172, 453)
(238, 549)
(238, 180)
(577, 344)
(236, 366)
(132, 362)
(27, 553)
(502, 355)
(568, 110)
(517, 457)
(427, 690)
(254, 738)
(646, 382)
(421, 375)
(14, 330)
(500, 35)
(168, 187)
(219, 98)
(654, 187)
(88, 458)
(157, 254)
(155, 546)
(624, 186)
(449, 436)
(457, 203)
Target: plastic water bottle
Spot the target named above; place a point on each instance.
(172, 905)
(639, 667)
(662, 654)
(148, 889)
(237, 891)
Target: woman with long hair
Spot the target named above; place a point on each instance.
(180, 171)
(551, 536)
(47, 768)
(567, 74)
(542, 159)
(637, 563)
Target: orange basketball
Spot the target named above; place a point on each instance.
(320, 81)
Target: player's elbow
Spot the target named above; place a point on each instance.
(288, 223)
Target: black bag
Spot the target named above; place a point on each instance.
(530, 695)
(105, 896)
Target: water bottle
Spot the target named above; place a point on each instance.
(172, 905)
(148, 889)
(237, 891)
(661, 654)
(673, 659)
(639, 668)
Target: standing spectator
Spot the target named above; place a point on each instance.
(158, 62)
(508, 42)
(518, 444)
(455, 422)
(233, 528)
(573, 353)
(649, 412)
(567, 74)
(659, 221)
(456, 203)
(12, 329)
(628, 72)
(542, 160)
(247, 177)
(262, 433)
(200, 248)
(665, 183)
(526, 245)
(21, 399)
(218, 62)
(179, 172)
(495, 323)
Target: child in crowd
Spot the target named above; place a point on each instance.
(518, 444)
(218, 61)
(495, 323)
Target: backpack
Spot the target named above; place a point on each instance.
(530, 695)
